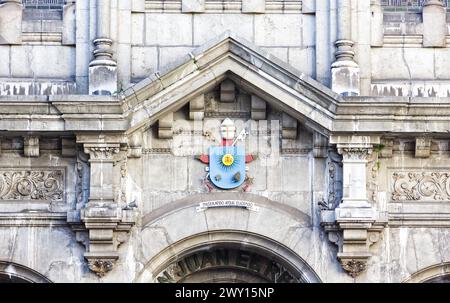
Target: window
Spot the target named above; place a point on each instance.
(43, 9)
(42, 16)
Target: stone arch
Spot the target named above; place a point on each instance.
(438, 273)
(291, 267)
(15, 273)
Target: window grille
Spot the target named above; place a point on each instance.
(43, 9)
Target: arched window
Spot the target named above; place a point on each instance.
(15, 273)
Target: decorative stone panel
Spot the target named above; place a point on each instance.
(34, 184)
(420, 186)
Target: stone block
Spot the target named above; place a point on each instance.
(11, 22)
(209, 26)
(48, 61)
(102, 80)
(270, 30)
(308, 36)
(253, 6)
(279, 52)
(289, 130)
(165, 127)
(31, 146)
(193, 6)
(423, 147)
(258, 108)
(144, 61)
(69, 23)
(168, 55)
(68, 147)
(303, 59)
(137, 29)
(227, 91)
(308, 6)
(434, 24)
(377, 27)
(411, 63)
(168, 30)
(5, 58)
(197, 108)
(138, 6)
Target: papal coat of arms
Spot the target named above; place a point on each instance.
(227, 162)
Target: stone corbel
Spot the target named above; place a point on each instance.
(31, 146)
(135, 145)
(165, 127)
(104, 222)
(320, 145)
(423, 147)
(355, 224)
(11, 21)
(227, 91)
(197, 108)
(434, 24)
(258, 108)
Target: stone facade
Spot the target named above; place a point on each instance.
(332, 116)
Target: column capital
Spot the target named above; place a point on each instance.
(102, 151)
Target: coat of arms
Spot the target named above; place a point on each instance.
(227, 162)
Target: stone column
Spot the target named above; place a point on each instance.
(11, 21)
(103, 69)
(434, 24)
(377, 27)
(104, 219)
(323, 51)
(345, 78)
(355, 224)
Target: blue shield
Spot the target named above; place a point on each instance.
(227, 166)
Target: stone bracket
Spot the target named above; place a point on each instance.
(423, 147)
(258, 111)
(31, 146)
(197, 108)
(353, 235)
(165, 127)
(227, 91)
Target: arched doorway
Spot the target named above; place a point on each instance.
(16, 273)
(228, 257)
(439, 273)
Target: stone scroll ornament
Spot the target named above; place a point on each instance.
(227, 162)
(32, 185)
(419, 186)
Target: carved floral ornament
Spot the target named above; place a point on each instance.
(354, 267)
(101, 267)
(102, 152)
(419, 186)
(355, 153)
(32, 185)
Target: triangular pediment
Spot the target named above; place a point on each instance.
(249, 67)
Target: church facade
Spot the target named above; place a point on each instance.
(178, 141)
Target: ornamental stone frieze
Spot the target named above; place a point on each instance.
(104, 219)
(355, 224)
(421, 186)
(32, 184)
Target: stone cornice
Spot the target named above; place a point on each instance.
(251, 68)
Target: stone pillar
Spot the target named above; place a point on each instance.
(69, 25)
(377, 27)
(104, 219)
(355, 224)
(11, 21)
(323, 51)
(434, 24)
(103, 69)
(345, 78)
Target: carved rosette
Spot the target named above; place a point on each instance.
(101, 267)
(354, 267)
